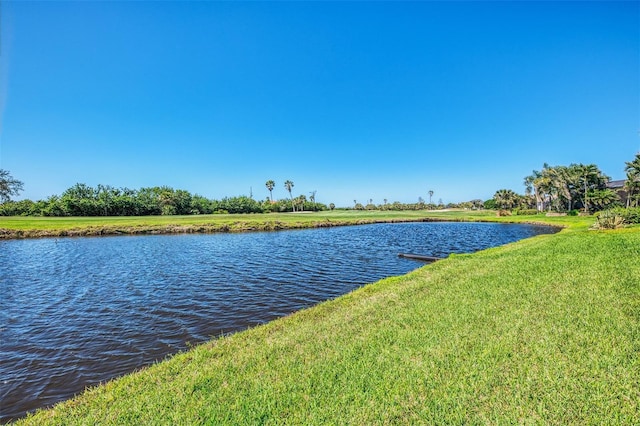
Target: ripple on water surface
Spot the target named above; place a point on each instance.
(78, 311)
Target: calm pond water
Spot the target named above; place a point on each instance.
(75, 312)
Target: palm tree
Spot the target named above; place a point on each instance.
(289, 185)
(300, 200)
(550, 187)
(532, 184)
(564, 179)
(603, 198)
(562, 186)
(505, 199)
(588, 178)
(632, 184)
(543, 182)
(430, 195)
(270, 185)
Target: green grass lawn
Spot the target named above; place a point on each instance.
(541, 331)
(67, 223)
(21, 227)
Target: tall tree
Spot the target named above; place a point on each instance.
(632, 184)
(546, 188)
(563, 179)
(8, 186)
(562, 187)
(589, 178)
(270, 185)
(300, 200)
(289, 186)
(532, 186)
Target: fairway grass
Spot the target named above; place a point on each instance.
(34, 227)
(541, 331)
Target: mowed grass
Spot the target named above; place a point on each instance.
(68, 223)
(20, 226)
(542, 331)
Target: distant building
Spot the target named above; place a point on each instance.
(618, 187)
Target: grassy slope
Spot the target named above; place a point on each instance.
(546, 330)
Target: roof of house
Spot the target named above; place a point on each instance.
(614, 184)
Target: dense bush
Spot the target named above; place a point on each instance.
(490, 204)
(282, 206)
(83, 200)
(20, 208)
(241, 204)
(629, 215)
(526, 212)
(608, 219)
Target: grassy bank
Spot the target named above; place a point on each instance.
(33, 227)
(545, 330)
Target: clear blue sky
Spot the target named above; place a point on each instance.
(357, 100)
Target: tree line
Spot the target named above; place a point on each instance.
(104, 200)
(553, 188)
(475, 204)
(577, 187)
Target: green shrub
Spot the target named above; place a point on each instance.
(490, 204)
(631, 215)
(573, 212)
(608, 219)
(526, 212)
